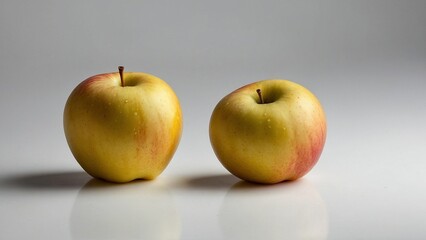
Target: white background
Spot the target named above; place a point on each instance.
(365, 61)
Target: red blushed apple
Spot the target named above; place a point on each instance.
(268, 131)
(123, 126)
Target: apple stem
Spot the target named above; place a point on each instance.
(259, 92)
(120, 70)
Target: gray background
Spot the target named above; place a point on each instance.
(365, 61)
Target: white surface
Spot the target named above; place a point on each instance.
(365, 61)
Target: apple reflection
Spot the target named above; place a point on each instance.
(137, 210)
(290, 210)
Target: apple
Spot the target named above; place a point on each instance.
(123, 126)
(268, 131)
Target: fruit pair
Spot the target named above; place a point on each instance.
(126, 126)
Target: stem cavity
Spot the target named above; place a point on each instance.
(120, 70)
(259, 92)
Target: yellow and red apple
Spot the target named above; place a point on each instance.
(268, 131)
(123, 126)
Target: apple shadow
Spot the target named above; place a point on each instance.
(212, 182)
(99, 183)
(72, 180)
(247, 185)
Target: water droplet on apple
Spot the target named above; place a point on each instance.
(135, 113)
(269, 120)
(126, 101)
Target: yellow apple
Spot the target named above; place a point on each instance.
(268, 131)
(123, 126)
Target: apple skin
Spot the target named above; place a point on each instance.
(120, 134)
(279, 140)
